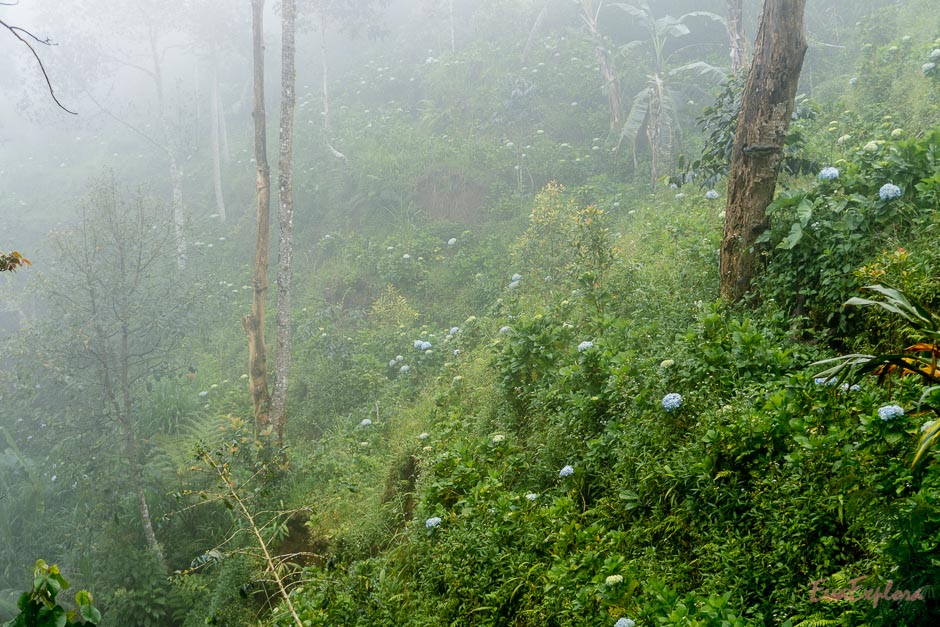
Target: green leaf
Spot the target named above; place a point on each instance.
(804, 211)
(791, 240)
(90, 614)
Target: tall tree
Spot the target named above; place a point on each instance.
(766, 107)
(736, 34)
(120, 301)
(254, 321)
(282, 359)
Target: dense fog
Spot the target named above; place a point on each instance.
(469, 312)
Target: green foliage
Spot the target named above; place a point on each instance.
(823, 236)
(39, 607)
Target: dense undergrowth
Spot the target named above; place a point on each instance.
(532, 411)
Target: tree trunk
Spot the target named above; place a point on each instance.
(766, 107)
(282, 359)
(176, 174)
(611, 82)
(736, 35)
(326, 90)
(254, 322)
(453, 30)
(216, 149)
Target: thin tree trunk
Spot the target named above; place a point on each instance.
(254, 322)
(326, 90)
(282, 359)
(453, 29)
(216, 149)
(736, 35)
(611, 82)
(766, 107)
(176, 174)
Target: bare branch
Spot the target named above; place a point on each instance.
(16, 30)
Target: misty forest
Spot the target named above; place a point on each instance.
(502, 313)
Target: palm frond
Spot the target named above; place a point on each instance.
(536, 27)
(928, 439)
(706, 14)
(635, 119)
(720, 74)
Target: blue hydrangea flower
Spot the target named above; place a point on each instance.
(392, 363)
(928, 67)
(935, 54)
(405, 368)
(514, 285)
(432, 522)
(926, 425)
(829, 173)
(625, 622)
(889, 412)
(418, 343)
(567, 471)
(680, 196)
(454, 330)
(889, 191)
(824, 381)
(845, 387)
(425, 346)
(504, 330)
(585, 345)
(456, 352)
(853, 80)
(452, 241)
(531, 496)
(203, 394)
(672, 401)
(711, 195)
(365, 423)
(516, 277)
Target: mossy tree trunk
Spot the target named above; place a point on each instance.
(254, 321)
(766, 107)
(282, 358)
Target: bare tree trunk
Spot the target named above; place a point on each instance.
(282, 359)
(453, 30)
(176, 174)
(216, 149)
(766, 107)
(736, 34)
(110, 368)
(611, 83)
(326, 90)
(254, 322)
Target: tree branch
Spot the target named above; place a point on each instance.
(16, 30)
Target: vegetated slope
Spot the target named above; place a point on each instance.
(533, 466)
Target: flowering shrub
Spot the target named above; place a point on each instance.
(890, 412)
(889, 191)
(672, 402)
